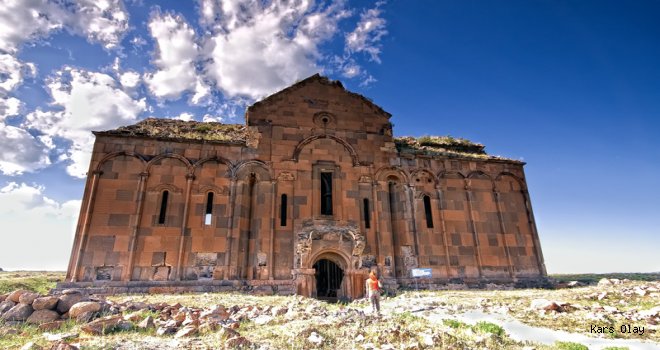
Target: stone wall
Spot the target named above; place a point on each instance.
(465, 218)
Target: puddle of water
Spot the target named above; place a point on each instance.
(521, 332)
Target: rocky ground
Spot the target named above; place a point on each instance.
(411, 320)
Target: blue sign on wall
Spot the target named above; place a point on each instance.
(421, 272)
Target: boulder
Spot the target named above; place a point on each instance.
(103, 325)
(45, 303)
(85, 317)
(20, 312)
(604, 282)
(15, 295)
(28, 298)
(43, 316)
(82, 307)
(6, 306)
(68, 300)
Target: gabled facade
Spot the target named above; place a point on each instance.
(308, 196)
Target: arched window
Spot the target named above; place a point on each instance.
(208, 217)
(427, 210)
(283, 210)
(367, 213)
(163, 207)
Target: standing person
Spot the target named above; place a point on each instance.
(373, 292)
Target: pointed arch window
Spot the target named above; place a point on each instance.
(163, 207)
(427, 211)
(208, 213)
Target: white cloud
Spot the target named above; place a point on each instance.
(12, 73)
(86, 101)
(130, 80)
(368, 33)
(20, 152)
(35, 222)
(185, 116)
(175, 57)
(9, 106)
(256, 48)
(102, 21)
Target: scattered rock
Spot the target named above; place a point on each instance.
(3, 297)
(43, 303)
(20, 312)
(315, 338)
(103, 325)
(31, 346)
(602, 295)
(134, 316)
(43, 316)
(237, 342)
(28, 298)
(147, 323)
(67, 300)
(262, 319)
(186, 331)
(63, 346)
(604, 282)
(50, 326)
(60, 336)
(82, 307)
(165, 330)
(15, 295)
(543, 304)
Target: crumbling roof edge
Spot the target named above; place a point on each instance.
(175, 139)
(323, 80)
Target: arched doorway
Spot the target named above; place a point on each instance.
(329, 277)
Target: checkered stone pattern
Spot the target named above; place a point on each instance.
(481, 223)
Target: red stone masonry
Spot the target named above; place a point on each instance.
(144, 224)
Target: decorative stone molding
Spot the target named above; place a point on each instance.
(329, 232)
(286, 176)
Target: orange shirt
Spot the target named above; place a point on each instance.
(372, 283)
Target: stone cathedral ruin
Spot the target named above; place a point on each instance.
(307, 197)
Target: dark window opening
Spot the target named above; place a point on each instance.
(283, 210)
(326, 193)
(209, 209)
(427, 210)
(163, 207)
(367, 213)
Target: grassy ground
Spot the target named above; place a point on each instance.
(37, 281)
(311, 324)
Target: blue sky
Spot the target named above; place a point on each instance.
(571, 87)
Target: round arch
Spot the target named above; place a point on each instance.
(179, 157)
(258, 167)
(109, 156)
(385, 172)
(305, 142)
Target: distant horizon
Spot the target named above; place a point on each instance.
(570, 88)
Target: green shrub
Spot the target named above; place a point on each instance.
(487, 327)
(567, 345)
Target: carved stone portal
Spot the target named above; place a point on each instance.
(346, 238)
